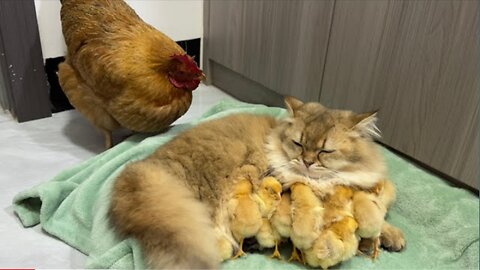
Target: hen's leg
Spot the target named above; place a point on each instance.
(83, 98)
(108, 139)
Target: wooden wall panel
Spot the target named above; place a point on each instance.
(416, 61)
(279, 44)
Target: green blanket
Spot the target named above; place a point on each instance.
(441, 223)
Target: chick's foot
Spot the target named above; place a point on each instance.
(240, 251)
(276, 254)
(296, 256)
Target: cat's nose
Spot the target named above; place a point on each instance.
(307, 163)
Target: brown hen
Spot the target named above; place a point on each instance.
(122, 72)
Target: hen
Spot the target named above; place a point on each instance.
(122, 72)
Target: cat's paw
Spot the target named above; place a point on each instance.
(392, 238)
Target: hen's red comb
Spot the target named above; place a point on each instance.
(188, 61)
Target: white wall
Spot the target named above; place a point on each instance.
(180, 20)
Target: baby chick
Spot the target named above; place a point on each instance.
(369, 212)
(268, 198)
(386, 192)
(282, 222)
(338, 205)
(336, 243)
(225, 248)
(244, 213)
(307, 219)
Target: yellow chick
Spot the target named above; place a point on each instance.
(386, 192)
(338, 205)
(369, 212)
(307, 219)
(336, 243)
(225, 248)
(281, 222)
(268, 198)
(244, 214)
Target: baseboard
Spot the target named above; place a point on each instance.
(241, 87)
(58, 100)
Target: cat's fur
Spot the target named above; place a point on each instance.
(163, 200)
(324, 147)
(173, 202)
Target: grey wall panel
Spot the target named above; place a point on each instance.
(279, 44)
(417, 61)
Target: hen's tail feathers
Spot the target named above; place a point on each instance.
(174, 228)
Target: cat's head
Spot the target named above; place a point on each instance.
(315, 142)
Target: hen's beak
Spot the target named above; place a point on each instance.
(202, 77)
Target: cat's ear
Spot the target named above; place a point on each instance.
(292, 105)
(365, 124)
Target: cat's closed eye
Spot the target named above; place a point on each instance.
(297, 143)
(325, 151)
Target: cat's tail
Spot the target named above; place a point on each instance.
(173, 227)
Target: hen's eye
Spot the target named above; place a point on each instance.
(297, 143)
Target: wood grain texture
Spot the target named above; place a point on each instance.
(416, 61)
(279, 44)
(22, 58)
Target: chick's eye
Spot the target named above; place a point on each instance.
(297, 143)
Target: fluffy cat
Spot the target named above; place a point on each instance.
(174, 201)
(323, 148)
